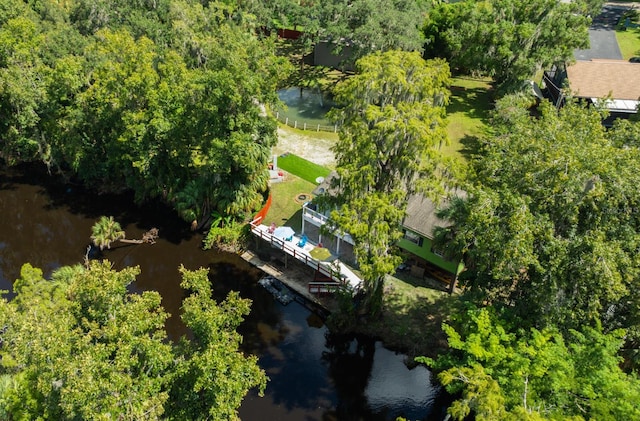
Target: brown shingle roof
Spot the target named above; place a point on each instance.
(421, 211)
(421, 214)
(599, 78)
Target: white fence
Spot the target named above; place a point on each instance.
(303, 125)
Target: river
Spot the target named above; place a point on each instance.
(314, 375)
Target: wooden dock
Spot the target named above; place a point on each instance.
(295, 277)
(333, 274)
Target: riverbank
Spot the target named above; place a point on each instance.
(413, 309)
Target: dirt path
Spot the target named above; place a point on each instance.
(316, 149)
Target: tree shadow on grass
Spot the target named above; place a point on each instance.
(471, 147)
(295, 221)
(412, 323)
(475, 103)
(421, 321)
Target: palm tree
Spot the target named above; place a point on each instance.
(106, 231)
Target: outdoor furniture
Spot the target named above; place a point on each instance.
(284, 233)
(303, 241)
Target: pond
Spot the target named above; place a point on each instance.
(314, 375)
(304, 106)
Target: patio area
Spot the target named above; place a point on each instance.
(311, 254)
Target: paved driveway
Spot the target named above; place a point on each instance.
(602, 36)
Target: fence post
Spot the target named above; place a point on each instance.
(295, 124)
(305, 126)
(277, 115)
(318, 128)
(335, 128)
(286, 121)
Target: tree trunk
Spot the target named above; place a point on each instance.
(453, 284)
(124, 240)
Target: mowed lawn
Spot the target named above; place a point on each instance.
(302, 168)
(468, 111)
(285, 208)
(629, 42)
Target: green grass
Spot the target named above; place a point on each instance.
(284, 207)
(412, 318)
(302, 168)
(629, 42)
(468, 111)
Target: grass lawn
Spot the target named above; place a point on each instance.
(412, 318)
(285, 209)
(468, 111)
(629, 42)
(302, 168)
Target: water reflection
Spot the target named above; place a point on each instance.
(314, 375)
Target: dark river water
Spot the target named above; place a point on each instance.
(313, 375)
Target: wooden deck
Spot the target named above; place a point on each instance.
(334, 274)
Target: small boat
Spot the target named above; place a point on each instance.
(277, 289)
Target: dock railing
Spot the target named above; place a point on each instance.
(289, 247)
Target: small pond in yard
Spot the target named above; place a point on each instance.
(304, 106)
(313, 375)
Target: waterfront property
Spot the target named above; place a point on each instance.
(422, 258)
(330, 272)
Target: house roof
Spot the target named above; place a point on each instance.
(421, 212)
(601, 78)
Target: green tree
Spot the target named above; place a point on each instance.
(23, 88)
(106, 231)
(374, 25)
(392, 119)
(80, 346)
(504, 372)
(212, 376)
(508, 39)
(550, 226)
(181, 117)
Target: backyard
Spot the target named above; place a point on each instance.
(414, 308)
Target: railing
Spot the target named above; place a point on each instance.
(318, 219)
(303, 125)
(323, 287)
(291, 250)
(314, 216)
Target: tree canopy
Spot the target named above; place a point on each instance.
(366, 26)
(80, 346)
(550, 228)
(508, 39)
(392, 119)
(164, 98)
(500, 371)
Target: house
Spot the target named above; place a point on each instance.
(418, 227)
(614, 84)
(417, 242)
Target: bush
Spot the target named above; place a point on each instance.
(228, 237)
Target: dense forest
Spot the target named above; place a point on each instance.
(165, 98)
(171, 99)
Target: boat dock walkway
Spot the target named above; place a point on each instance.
(333, 272)
(295, 277)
